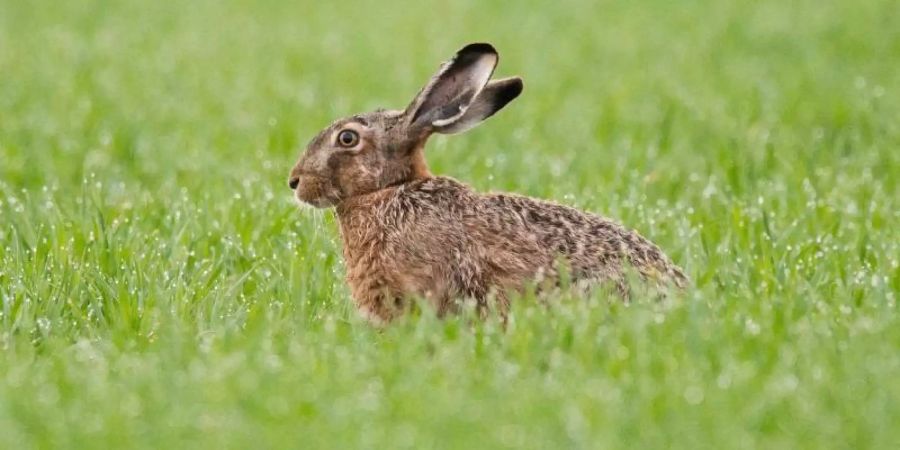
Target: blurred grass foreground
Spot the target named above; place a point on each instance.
(161, 290)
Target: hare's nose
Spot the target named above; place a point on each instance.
(293, 182)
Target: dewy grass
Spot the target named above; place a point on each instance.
(160, 288)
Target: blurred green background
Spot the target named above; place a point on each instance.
(160, 288)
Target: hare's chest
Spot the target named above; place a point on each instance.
(389, 264)
(364, 260)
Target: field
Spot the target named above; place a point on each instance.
(161, 289)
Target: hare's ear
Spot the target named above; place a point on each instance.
(452, 90)
(492, 98)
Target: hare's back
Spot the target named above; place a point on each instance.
(509, 238)
(592, 245)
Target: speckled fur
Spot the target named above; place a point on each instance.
(408, 233)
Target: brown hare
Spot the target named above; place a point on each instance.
(407, 233)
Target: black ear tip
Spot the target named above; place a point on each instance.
(511, 88)
(477, 48)
(517, 85)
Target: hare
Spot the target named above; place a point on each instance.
(407, 233)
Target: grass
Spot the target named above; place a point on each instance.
(160, 289)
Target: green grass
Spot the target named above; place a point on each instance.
(160, 289)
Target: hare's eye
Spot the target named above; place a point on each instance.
(348, 138)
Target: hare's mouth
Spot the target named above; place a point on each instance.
(315, 191)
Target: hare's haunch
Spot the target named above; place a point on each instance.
(408, 233)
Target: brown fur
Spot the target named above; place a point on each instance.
(407, 233)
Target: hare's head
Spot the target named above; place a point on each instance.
(367, 152)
